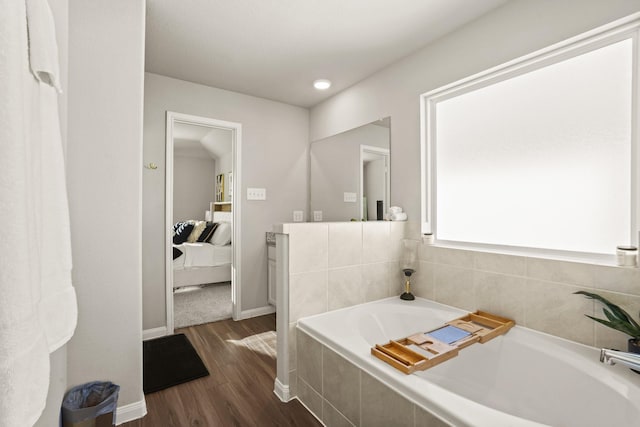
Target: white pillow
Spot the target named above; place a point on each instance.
(222, 235)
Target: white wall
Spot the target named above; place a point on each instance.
(106, 71)
(274, 156)
(194, 183)
(517, 28)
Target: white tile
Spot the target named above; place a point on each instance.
(500, 294)
(308, 247)
(397, 233)
(499, 263)
(457, 257)
(307, 294)
(345, 287)
(341, 385)
(375, 242)
(345, 244)
(383, 407)
(553, 308)
(331, 417)
(309, 360)
(454, 286)
(375, 281)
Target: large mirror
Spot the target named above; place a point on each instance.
(350, 174)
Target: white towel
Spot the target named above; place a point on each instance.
(401, 216)
(37, 303)
(43, 49)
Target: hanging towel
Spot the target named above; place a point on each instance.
(57, 305)
(38, 307)
(43, 49)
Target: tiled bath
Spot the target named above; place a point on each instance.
(335, 265)
(341, 394)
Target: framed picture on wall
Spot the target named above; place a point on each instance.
(220, 188)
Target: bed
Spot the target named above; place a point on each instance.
(206, 261)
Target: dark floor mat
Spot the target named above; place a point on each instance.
(170, 361)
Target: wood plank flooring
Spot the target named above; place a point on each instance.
(241, 360)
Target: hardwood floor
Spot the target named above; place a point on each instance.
(241, 360)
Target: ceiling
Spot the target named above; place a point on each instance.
(190, 140)
(275, 49)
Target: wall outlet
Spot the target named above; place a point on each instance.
(298, 216)
(350, 197)
(256, 194)
(317, 216)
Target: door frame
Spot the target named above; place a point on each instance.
(385, 153)
(236, 129)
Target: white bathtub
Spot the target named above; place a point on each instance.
(524, 378)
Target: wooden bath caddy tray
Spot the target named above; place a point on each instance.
(424, 350)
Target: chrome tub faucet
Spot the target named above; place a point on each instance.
(611, 357)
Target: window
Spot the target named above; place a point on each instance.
(538, 153)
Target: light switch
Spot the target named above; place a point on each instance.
(298, 216)
(256, 194)
(350, 197)
(317, 216)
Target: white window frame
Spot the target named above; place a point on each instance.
(625, 28)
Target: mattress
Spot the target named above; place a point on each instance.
(201, 255)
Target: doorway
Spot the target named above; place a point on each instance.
(174, 121)
(374, 182)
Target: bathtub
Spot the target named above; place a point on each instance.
(523, 378)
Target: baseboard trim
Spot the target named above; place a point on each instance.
(282, 391)
(130, 412)
(255, 312)
(148, 334)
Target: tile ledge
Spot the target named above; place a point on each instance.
(591, 259)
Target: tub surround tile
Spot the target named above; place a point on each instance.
(500, 294)
(311, 398)
(345, 244)
(568, 272)
(382, 407)
(422, 282)
(311, 247)
(454, 286)
(552, 308)
(292, 338)
(499, 263)
(413, 230)
(397, 233)
(331, 417)
(341, 385)
(427, 252)
(426, 419)
(345, 287)
(335, 265)
(618, 279)
(351, 397)
(375, 241)
(307, 294)
(457, 257)
(375, 281)
(309, 361)
(293, 383)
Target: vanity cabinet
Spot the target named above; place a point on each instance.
(271, 267)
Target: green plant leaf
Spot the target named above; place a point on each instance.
(618, 319)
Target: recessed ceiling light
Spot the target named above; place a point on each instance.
(322, 84)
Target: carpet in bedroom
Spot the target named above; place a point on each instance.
(201, 304)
